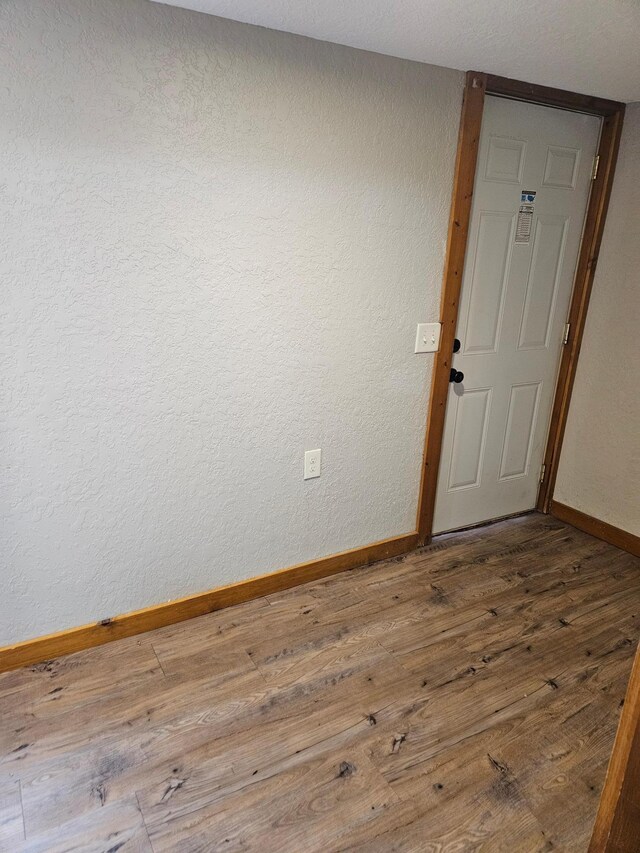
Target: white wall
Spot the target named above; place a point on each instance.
(216, 242)
(599, 471)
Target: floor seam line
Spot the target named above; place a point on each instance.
(144, 823)
(24, 822)
(157, 658)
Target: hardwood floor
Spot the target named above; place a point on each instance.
(464, 698)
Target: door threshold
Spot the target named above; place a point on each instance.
(485, 523)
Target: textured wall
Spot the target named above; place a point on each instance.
(567, 44)
(600, 465)
(216, 242)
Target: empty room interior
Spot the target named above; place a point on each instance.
(320, 426)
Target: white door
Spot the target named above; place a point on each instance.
(532, 186)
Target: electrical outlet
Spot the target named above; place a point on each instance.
(428, 337)
(312, 464)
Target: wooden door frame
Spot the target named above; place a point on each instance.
(479, 84)
(616, 826)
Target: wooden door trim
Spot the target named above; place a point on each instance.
(548, 97)
(477, 85)
(616, 826)
(585, 271)
(459, 218)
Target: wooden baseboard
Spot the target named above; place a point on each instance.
(160, 615)
(613, 535)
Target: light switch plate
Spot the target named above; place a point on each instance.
(428, 337)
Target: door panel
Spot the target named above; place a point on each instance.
(488, 280)
(513, 306)
(469, 436)
(505, 160)
(561, 168)
(518, 439)
(545, 274)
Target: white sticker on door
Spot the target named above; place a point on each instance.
(527, 196)
(524, 223)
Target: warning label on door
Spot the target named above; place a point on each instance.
(525, 216)
(524, 223)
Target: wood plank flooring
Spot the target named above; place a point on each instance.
(464, 698)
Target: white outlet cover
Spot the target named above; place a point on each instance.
(312, 463)
(428, 337)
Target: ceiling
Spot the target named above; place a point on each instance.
(589, 46)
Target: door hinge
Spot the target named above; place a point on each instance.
(567, 329)
(542, 472)
(594, 171)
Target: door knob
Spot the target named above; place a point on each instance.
(456, 345)
(456, 375)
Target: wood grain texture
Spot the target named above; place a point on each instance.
(613, 535)
(464, 696)
(11, 823)
(583, 283)
(617, 826)
(159, 615)
(561, 98)
(459, 218)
